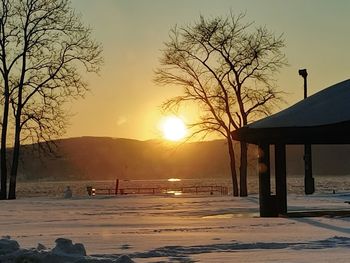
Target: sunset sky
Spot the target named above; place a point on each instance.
(124, 101)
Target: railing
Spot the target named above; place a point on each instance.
(221, 190)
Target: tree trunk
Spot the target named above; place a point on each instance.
(3, 158)
(17, 143)
(232, 166)
(15, 161)
(243, 170)
(18, 115)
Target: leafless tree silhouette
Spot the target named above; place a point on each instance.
(44, 51)
(225, 67)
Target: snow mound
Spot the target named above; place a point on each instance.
(8, 246)
(64, 252)
(124, 259)
(66, 247)
(121, 259)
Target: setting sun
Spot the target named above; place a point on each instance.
(173, 128)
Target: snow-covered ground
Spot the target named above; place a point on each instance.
(173, 229)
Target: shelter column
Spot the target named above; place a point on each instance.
(264, 180)
(281, 178)
(309, 181)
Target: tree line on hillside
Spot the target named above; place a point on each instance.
(126, 159)
(131, 159)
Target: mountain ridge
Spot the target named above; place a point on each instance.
(106, 158)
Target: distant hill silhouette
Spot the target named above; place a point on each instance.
(107, 158)
(101, 158)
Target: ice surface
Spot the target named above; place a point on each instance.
(171, 229)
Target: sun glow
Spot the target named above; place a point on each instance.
(173, 128)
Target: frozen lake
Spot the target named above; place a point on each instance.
(181, 228)
(324, 184)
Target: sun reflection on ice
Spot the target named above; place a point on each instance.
(174, 180)
(176, 193)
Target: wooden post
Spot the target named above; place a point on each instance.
(309, 182)
(281, 178)
(264, 180)
(116, 186)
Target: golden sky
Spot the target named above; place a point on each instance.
(124, 102)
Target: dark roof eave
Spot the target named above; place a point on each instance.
(338, 133)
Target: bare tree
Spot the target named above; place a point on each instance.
(225, 66)
(5, 39)
(45, 51)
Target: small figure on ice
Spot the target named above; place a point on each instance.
(68, 193)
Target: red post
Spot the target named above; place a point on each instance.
(116, 186)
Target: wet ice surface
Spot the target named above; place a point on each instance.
(180, 229)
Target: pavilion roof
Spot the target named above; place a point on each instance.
(321, 118)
